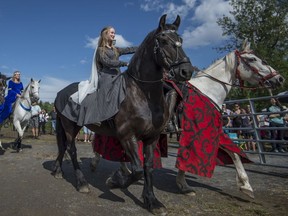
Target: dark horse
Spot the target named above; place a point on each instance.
(142, 114)
(3, 86)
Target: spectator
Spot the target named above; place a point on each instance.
(264, 122)
(53, 116)
(225, 119)
(236, 119)
(43, 118)
(248, 133)
(276, 120)
(34, 121)
(87, 134)
(227, 111)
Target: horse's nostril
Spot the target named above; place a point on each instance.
(281, 79)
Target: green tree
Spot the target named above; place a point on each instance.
(265, 24)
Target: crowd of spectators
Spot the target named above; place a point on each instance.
(40, 120)
(238, 122)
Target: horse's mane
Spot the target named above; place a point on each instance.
(25, 90)
(226, 58)
(142, 46)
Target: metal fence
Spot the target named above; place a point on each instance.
(263, 144)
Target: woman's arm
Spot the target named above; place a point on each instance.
(107, 60)
(126, 50)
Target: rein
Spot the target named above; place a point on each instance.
(241, 85)
(144, 81)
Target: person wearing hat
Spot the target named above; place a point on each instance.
(15, 88)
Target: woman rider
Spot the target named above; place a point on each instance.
(107, 55)
(15, 88)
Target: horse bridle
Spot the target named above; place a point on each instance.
(33, 92)
(178, 61)
(264, 79)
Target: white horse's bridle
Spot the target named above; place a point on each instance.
(263, 81)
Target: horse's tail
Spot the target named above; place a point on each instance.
(60, 136)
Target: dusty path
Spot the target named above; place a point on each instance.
(28, 189)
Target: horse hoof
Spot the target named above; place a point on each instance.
(57, 175)
(159, 211)
(110, 183)
(84, 189)
(187, 190)
(248, 192)
(157, 208)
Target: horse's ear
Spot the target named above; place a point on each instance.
(39, 81)
(177, 21)
(162, 21)
(246, 45)
(32, 80)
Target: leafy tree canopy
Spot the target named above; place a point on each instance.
(265, 24)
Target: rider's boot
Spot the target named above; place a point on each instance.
(171, 99)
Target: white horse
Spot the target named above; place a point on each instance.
(22, 110)
(215, 82)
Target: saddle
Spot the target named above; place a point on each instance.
(99, 106)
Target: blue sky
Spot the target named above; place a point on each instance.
(54, 40)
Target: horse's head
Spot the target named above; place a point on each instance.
(34, 89)
(169, 53)
(256, 71)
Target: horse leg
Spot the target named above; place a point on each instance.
(150, 200)
(82, 184)
(61, 144)
(95, 161)
(183, 185)
(120, 177)
(241, 175)
(20, 130)
(66, 141)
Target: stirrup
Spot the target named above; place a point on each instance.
(170, 128)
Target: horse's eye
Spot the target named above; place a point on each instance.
(253, 59)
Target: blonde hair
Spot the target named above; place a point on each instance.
(104, 40)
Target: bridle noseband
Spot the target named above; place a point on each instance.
(171, 66)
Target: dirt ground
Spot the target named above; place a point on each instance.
(28, 189)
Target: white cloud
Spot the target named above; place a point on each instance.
(83, 61)
(50, 86)
(4, 67)
(202, 29)
(169, 8)
(152, 5)
(120, 42)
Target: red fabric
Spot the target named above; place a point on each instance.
(111, 149)
(203, 141)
